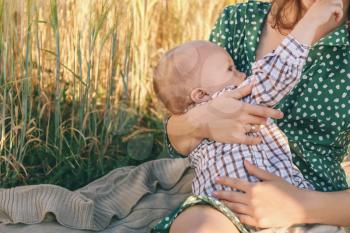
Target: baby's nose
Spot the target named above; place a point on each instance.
(242, 76)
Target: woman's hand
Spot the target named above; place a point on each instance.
(228, 120)
(324, 11)
(270, 203)
(224, 119)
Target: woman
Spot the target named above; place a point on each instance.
(316, 122)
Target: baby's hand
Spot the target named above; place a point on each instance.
(322, 11)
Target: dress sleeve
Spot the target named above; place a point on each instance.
(275, 75)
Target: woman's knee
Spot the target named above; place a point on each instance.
(202, 219)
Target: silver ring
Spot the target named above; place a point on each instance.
(250, 128)
(253, 129)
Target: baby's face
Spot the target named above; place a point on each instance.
(219, 71)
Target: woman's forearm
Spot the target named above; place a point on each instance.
(223, 119)
(184, 132)
(331, 208)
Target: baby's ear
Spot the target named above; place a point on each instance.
(198, 95)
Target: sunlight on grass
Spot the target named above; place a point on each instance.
(76, 98)
(75, 83)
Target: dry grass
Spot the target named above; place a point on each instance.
(75, 83)
(75, 79)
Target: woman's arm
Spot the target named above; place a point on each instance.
(223, 119)
(328, 208)
(276, 203)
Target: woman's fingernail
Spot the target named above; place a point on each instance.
(215, 194)
(218, 178)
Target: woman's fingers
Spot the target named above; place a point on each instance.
(231, 196)
(246, 219)
(249, 140)
(337, 10)
(251, 128)
(234, 183)
(241, 137)
(258, 172)
(238, 208)
(239, 93)
(338, 3)
(262, 111)
(338, 13)
(255, 120)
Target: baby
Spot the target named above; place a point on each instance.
(198, 71)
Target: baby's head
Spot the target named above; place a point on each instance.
(191, 73)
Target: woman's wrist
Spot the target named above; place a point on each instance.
(310, 207)
(316, 205)
(197, 122)
(302, 35)
(185, 131)
(326, 208)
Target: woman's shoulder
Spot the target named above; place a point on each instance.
(229, 26)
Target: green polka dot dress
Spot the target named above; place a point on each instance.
(317, 111)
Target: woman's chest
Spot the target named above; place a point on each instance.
(319, 106)
(269, 40)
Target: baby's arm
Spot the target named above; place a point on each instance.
(278, 72)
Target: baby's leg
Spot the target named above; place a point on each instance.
(202, 219)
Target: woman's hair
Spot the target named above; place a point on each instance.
(282, 8)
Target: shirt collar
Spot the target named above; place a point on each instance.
(339, 37)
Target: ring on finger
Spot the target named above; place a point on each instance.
(248, 128)
(254, 128)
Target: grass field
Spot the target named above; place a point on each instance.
(76, 99)
(75, 83)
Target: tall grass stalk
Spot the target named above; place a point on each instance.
(75, 82)
(57, 112)
(25, 88)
